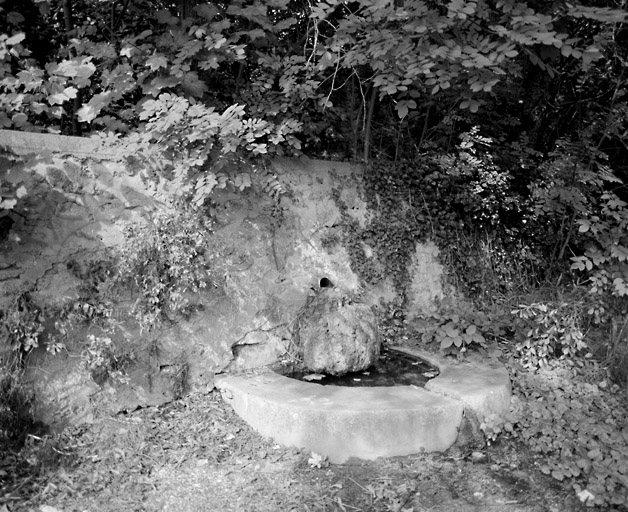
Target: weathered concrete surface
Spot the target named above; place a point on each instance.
(367, 423)
(24, 143)
(341, 422)
(425, 289)
(482, 385)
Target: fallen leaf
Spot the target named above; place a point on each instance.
(314, 376)
(317, 460)
(585, 496)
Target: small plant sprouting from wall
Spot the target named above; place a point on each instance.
(165, 262)
(101, 359)
(21, 329)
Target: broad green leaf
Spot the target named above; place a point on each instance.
(14, 18)
(591, 54)
(21, 191)
(7, 204)
(619, 251)
(67, 94)
(128, 51)
(558, 474)
(404, 106)
(80, 68)
(242, 181)
(88, 112)
(446, 342)
(19, 119)
(581, 263)
(284, 24)
(166, 18)
(15, 39)
(157, 61)
(616, 203)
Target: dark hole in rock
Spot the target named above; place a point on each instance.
(393, 368)
(325, 283)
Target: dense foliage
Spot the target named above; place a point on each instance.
(576, 425)
(496, 129)
(519, 109)
(197, 81)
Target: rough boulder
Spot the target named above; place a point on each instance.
(335, 335)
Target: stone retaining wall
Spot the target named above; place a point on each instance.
(79, 201)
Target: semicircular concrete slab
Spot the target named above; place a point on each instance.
(369, 422)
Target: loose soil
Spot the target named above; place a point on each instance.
(195, 454)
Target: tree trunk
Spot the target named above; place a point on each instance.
(185, 8)
(355, 120)
(369, 122)
(76, 103)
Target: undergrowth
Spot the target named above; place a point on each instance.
(505, 240)
(16, 415)
(577, 425)
(159, 268)
(21, 327)
(501, 252)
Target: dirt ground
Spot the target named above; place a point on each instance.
(195, 454)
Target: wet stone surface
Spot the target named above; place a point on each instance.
(393, 368)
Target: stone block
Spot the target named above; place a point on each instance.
(342, 422)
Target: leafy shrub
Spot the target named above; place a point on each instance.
(92, 310)
(10, 192)
(460, 331)
(21, 327)
(478, 186)
(578, 427)
(490, 267)
(462, 200)
(102, 361)
(455, 335)
(617, 352)
(548, 331)
(578, 197)
(605, 259)
(164, 262)
(185, 144)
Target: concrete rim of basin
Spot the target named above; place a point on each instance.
(343, 423)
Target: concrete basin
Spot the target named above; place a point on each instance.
(369, 422)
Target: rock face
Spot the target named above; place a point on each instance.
(270, 253)
(336, 336)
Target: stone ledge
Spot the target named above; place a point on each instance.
(25, 143)
(482, 385)
(368, 422)
(344, 422)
